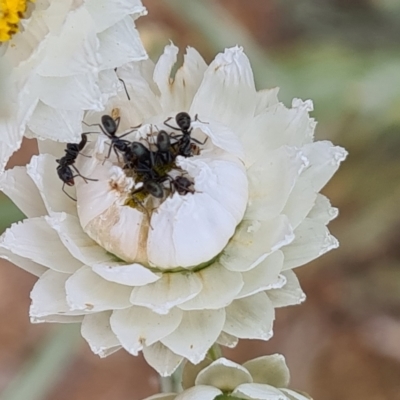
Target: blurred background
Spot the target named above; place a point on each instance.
(344, 341)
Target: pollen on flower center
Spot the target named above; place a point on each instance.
(11, 11)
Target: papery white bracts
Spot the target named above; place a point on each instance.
(212, 265)
(265, 378)
(62, 64)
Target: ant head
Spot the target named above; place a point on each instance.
(163, 141)
(139, 150)
(183, 181)
(154, 188)
(183, 120)
(109, 125)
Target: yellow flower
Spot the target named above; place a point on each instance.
(11, 11)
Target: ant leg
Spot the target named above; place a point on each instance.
(196, 118)
(170, 126)
(63, 189)
(99, 125)
(134, 128)
(109, 152)
(116, 153)
(83, 177)
(198, 141)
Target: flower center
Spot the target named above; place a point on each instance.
(165, 194)
(11, 11)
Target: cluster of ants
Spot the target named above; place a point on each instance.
(149, 165)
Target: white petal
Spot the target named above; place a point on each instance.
(288, 295)
(223, 180)
(88, 291)
(109, 85)
(199, 393)
(292, 395)
(97, 332)
(223, 374)
(48, 295)
(95, 198)
(137, 327)
(215, 209)
(224, 339)
(271, 370)
(56, 149)
(173, 241)
(227, 92)
(32, 238)
(162, 396)
(264, 276)
(221, 136)
(42, 170)
(276, 126)
(55, 124)
(106, 13)
(253, 241)
(250, 318)
(187, 80)
(162, 359)
(12, 128)
(190, 372)
(169, 291)
(196, 333)
(80, 92)
(322, 211)
(74, 49)
(259, 392)
(220, 287)
(312, 239)
(119, 44)
(162, 76)
(77, 241)
(19, 187)
(271, 179)
(59, 319)
(324, 160)
(126, 274)
(109, 230)
(134, 76)
(23, 263)
(266, 98)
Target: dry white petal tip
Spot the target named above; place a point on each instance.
(172, 290)
(162, 359)
(126, 274)
(271, 370)
(259, 391)
(224, 375)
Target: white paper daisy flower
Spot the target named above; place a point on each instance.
(264, 378)
(62, 63)
(169, 269)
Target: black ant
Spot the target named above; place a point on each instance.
(164, 153)
(184, 141)
(142, 159)
(109, 127)
(66, 164)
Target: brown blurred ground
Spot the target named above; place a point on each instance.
(344, 341)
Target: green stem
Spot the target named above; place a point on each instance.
(171, 383)
(215, 352)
